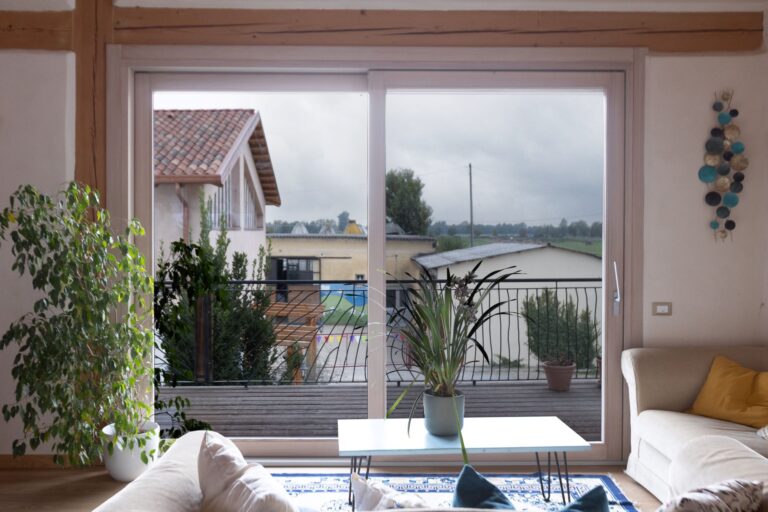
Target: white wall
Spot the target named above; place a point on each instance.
(37, 127)
(718, 289)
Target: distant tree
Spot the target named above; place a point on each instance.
(343, 219)
(451, 230)
(596, 230)
(450, 243)
(405, 205)
(562, 229)
(438, 228)
(578, 228)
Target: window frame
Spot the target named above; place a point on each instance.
(134, 72)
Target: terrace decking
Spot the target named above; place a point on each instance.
(312, 410)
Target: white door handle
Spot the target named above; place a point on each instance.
(616, 291)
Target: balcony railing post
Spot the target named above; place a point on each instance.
(203, 340)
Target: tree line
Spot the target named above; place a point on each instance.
(406, 208)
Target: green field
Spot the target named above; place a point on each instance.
(590, 247)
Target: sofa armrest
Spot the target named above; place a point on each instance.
(669, 379)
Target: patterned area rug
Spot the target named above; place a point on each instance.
(328, 492)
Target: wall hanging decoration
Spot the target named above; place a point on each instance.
(724, 166)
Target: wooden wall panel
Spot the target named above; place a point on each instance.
(677, 32)
(92, 23)
(36, 30)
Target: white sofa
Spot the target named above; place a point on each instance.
(672, 451)
(172, 485)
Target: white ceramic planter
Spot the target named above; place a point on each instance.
(125, 464)
(440, 414)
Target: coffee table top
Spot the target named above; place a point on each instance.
(481, 435)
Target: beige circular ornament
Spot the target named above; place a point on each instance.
(710, 159)
(732, 132)
(723, 184)
(727, 145)
(739, 162)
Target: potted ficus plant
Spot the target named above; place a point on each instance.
(439, 322)
(82, 369)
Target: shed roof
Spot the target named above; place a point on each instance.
(196, 146)
(444, 259)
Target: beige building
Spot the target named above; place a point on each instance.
(341, 257)
(222, 157)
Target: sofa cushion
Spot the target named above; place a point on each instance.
(668, 431)
(706, 460)
(230, 484)
(727, 496)
(734, 393)
(373, 495)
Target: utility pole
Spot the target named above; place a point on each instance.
(471, 211)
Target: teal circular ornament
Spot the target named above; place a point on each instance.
(707, 174)
(730, 199)
(723, 212)
(714, 225)
(723, 118)
(737, 147)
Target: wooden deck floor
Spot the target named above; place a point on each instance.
(312, 410)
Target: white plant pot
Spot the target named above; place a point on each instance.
(125, 464)
(440, 414)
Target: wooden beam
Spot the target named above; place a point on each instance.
(36, 30)
(660, 31)
(92, 31)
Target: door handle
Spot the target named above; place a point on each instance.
(616, 291)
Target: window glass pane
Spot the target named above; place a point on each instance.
(505, 179)
(284, 329)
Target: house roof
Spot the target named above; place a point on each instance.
(340, 236)
(196, 146)
(444, 259)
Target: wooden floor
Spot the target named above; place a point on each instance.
(70, 490)
(312, 410)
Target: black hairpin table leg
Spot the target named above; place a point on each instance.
(565, 490)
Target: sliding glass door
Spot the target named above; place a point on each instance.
(522, 169)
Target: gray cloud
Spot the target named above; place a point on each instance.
(536, 156)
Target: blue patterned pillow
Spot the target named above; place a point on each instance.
(474, 491)
(594, 500)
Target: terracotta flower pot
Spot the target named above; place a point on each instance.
(559, 377)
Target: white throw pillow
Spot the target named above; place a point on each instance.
(229, 483)
(727, 496)
(370, 495)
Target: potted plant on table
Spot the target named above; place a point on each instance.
(82, 369)
(439, 324)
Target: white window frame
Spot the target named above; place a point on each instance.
(135, 72)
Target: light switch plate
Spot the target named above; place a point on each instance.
(661, 308)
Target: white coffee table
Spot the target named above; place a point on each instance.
(363, 439)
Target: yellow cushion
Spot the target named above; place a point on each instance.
(734, 393)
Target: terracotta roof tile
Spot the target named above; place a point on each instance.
(195, 142)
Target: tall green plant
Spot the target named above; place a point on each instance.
(557, 330)
(82, 351)
(243, 337)
(439, 324)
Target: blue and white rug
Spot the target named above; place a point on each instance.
(327, 492)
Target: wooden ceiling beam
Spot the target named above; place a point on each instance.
(44, 30)
(658, 31)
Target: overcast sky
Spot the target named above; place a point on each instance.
(536, 156)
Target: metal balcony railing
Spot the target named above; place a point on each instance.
(316, 332)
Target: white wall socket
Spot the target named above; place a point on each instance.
(662, 308)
